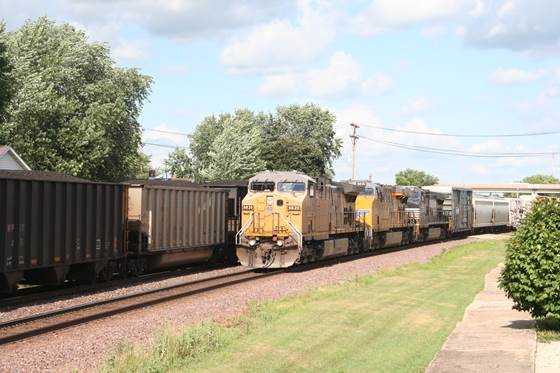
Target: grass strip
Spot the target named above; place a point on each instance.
(548, 330)
(392, 321)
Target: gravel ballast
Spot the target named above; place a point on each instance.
(84, 347)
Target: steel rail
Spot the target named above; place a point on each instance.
(9, 331)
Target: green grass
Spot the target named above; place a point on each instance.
(548, 330)
(393, 321)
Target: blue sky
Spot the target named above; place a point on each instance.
(463, 66)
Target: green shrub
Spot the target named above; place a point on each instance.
(531, 277)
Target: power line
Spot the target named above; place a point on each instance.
(166, 131)
(528, 134)
(164, 146)
(460, 153)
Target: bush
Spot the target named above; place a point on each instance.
(531, 277)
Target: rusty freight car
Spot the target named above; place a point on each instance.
(54, 226)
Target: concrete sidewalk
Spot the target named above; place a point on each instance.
(491, 337)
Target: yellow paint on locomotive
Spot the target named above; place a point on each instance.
(286, 212)
(381, 208)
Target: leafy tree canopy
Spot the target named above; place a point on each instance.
(5, 69)
(301, 138)
(296, 137)
(178, 163)
(236, 152)
(532, 267)
(415, 178)
(72, 110)
(541, 179)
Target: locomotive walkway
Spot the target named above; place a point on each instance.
(491, 337)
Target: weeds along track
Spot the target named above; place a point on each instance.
(34, 325)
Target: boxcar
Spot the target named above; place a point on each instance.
(53, 226)
(491, 213)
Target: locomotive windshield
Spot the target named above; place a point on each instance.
(414, 198)
(261, 186)
(291, 187)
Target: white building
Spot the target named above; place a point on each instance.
(10, 160)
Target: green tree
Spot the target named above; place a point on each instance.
(236, 152)
(202, 141)
(541, 179)
(143, 166)
(72, 110)
(5, 69)
(532, 267)
(178, 163)
(415, 178)
(301, 138)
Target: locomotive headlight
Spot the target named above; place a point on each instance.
(252, 242)
(280, 243)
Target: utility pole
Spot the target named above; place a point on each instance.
(354, 139)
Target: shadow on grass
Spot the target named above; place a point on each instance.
(548, 329)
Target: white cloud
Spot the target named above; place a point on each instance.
(522, 25)
(131, 50)
(162, 134)
(342, 75)
(416, 105)
(434, 31)
(377, 85)
(174, 69)
(480, 169)
(282, 45)
(382, 15)
(514, 76)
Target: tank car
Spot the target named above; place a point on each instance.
(290, 218)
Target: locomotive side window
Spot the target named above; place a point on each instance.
(291, 187)
(262, 186)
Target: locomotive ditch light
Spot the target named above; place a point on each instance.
(252, 242)
(280, 243)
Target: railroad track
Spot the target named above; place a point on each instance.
(47, 294)
(34, 325)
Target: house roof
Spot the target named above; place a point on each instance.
(5, 149)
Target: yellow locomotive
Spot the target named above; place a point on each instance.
(381, 209)
(290, 218)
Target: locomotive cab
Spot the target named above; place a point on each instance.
(271, 221)
(291, 218)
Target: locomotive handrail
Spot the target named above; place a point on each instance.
(244, 228)
(294, 229)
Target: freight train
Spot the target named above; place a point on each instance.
(55, 227)
(289, 218)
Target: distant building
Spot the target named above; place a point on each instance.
(10, 160)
